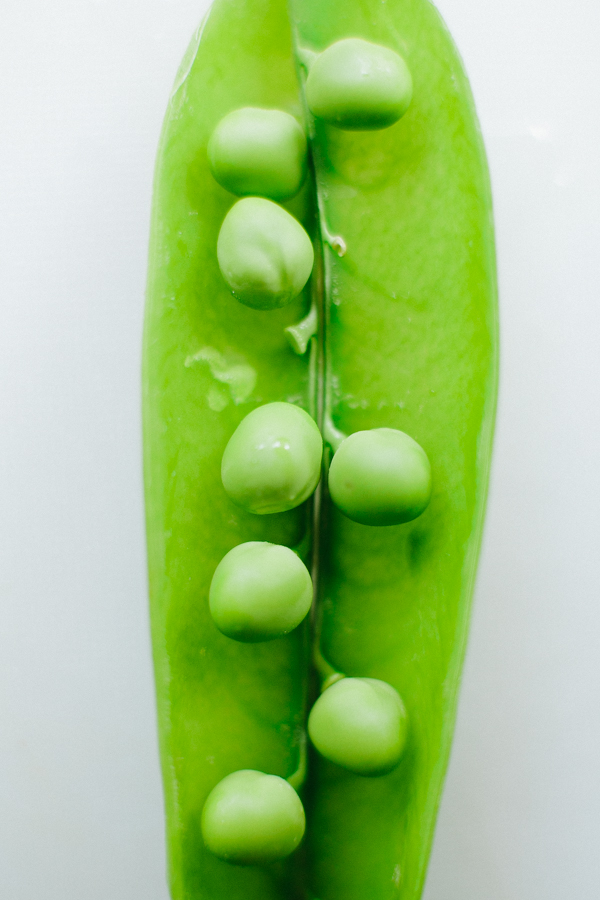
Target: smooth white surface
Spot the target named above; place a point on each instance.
(83, 88)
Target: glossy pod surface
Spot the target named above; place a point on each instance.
(409, 340)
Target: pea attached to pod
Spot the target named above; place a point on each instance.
(380, 477)
(360, 724)
(264, 254)
(260, 591)
(272, 462)
(359, 86)
(251, 819)
(259, 152)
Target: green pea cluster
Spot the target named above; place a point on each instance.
(264, 253)
(273, 461)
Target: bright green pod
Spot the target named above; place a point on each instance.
(223, 706)
(405, 337)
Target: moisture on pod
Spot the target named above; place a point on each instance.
(359, 86)
(259, 152)
(260, 591)
(380, 477)
(272, 462)
(264, 253)
(251, 818)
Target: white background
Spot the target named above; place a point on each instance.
(83, 88)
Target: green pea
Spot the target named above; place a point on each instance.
(359, 86)
(251, 818)
(380, 477)
(272, 462)
(259, 152)
(360, 724)
(259, 591)
(264, 254)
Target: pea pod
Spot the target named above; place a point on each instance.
(403, 294)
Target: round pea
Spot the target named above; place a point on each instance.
(359, 86)
(259, 152)
(264, 253)
(380, 477)
(260, 591)
(251, 818)
(360, 724)
(272, 462)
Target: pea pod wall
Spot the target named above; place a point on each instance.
(409, 334)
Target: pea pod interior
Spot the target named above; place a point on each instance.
(409, 341)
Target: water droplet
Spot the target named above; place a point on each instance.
(234, 372)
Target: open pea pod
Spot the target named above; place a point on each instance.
(406, 338)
